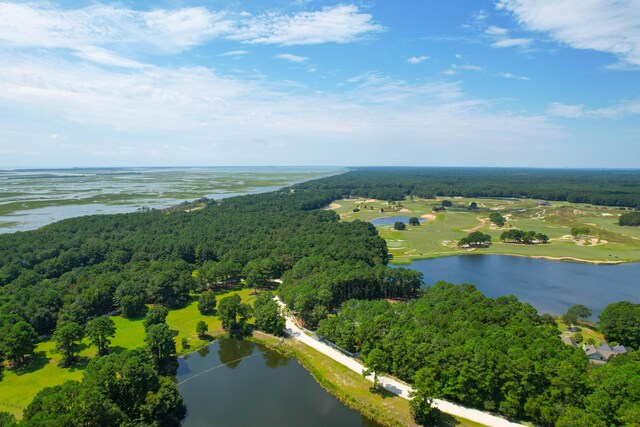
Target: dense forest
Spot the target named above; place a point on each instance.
(493, 354)
(608, 187)
(84, 267)
(498, 354)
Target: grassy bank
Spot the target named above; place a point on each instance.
(349, 387)
(439, 234)
(19, 386)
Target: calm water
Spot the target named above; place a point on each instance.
(390, 220)
(238, 383)
(549, 286)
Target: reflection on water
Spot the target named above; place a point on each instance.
(390, 220)
(239, 383)
(550, 286)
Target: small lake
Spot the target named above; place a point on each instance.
(238, 383)
(550, 286)
(390, 220)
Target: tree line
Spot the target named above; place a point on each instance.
(609, 187)
(498, 355)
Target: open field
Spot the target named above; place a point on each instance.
(352, 389)
(437, 237)
(18, 387)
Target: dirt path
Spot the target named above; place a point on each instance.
(394, 386)
(483, 222)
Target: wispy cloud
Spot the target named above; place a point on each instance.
(492, 30)
(512, 42)
(97, 32)
(502, 38)
(338, 24)
(417, 59)
(455, 69)
(512, 76)
(99, 25)
(292, 58)
(235, 53)
(605, 25)
(173, 104)
(577, 111)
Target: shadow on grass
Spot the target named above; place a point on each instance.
(383, 393)
(39, 361)
(446, 420)
(116, 349)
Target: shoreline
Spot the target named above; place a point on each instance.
(287, 349)
(407, 261)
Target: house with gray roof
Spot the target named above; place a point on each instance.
(603, 352)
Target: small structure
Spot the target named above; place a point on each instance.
(542, 203)
(569, 341)
(603, 352)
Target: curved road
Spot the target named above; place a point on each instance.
(392, 385)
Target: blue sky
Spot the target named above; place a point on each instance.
(550, 83)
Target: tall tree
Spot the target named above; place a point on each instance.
(268, 316)
(67, 337)
(233, 313)
(207, 303)
(160, 343)
(620, 322)
(100, 331)
(376, 362)
(19, 342)
(156, 315)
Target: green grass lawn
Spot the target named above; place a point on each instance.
(438, 236)
(587, 331)
(18, 387)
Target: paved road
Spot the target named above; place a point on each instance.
(393, 385)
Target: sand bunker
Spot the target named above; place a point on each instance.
(429, 217)
(404, 210)
(334, 206)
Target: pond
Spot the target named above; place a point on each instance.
(239, 383)
(550, 286)
(390, 220)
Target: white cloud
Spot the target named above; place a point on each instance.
(235, 53)
(417, 59)
(492, 30)
(97, 32)
(102, 25)
(339, 24)
(249, 121)
(604, 25)
(105, 57)
(292, 58)
(515, 42)
(576, 111)
(512, 76)
(566, 110)
(454, 69)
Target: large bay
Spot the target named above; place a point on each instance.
(30, 199)
(549, 286)
(238, 383)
